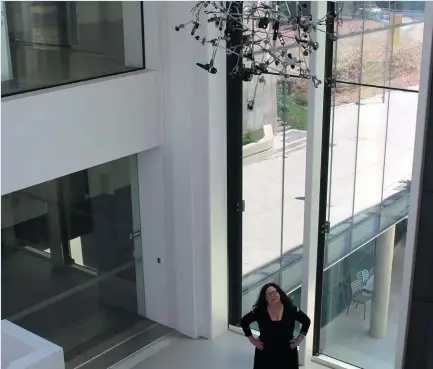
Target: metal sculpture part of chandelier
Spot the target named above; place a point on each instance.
(273, 39)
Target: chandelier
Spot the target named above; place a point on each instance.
(274, 39)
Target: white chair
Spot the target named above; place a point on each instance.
(358, 297)
(363, 276)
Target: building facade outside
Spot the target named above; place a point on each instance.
(117, 180)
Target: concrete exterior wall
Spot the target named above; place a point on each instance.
(265, 107)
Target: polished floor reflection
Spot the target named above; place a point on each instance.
(67, 306)
(69, 272)
(230, 350)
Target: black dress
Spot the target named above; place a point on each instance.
(276, 337)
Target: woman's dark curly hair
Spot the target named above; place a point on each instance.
(261, 302)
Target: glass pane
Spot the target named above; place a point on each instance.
(412, 11)
(375, 48)
(370, 138)
(350, 317)
(348, 52)
(90, 312)
(100, 215)
(67, 247)
(53, 43)
(294, 161)
(336, 327)
(363, 16)
(406, 43)
(337, 247)
(291, 275)
(262, 181)
(399, 151)
(342, 158)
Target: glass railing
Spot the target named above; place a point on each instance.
(46, 44)
(366, 226)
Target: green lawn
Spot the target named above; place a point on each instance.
(295, 116)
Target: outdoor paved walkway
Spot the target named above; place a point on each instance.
(263, 180)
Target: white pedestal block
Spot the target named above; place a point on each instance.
(22, 349)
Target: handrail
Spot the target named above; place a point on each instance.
(344, 233)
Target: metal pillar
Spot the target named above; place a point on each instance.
(234, 176)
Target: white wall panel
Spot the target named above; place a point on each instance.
(183, 182)
(51, 133)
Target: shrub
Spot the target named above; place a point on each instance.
(300, 99)
(247, 138)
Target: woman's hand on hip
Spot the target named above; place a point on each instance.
(296, 342)
(256, 342)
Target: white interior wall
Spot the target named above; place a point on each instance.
(174, 116)
(183, 182)
(55, 132)
(312, 184)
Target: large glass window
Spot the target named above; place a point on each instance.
(376, 67)
(273, 183)
(373, 119)
(274, 164)
(51, 43)
(359, 318)
(70, 267)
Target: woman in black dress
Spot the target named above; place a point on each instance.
(276, 315)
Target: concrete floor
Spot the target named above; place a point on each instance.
(263, 181)
(345, 339)
(229, 351)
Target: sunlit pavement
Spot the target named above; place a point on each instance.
(262, 181)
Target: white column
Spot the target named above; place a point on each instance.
(417, 169)
(312, 181)
(217, 196)
(183, 182)
(382, 283)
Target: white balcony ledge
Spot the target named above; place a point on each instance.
(22, 349)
